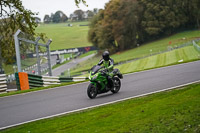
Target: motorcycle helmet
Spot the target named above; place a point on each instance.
(106, 55)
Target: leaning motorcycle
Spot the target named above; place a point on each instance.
(101, 82)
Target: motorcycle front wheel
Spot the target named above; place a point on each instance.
(92, 91)
(117, 85)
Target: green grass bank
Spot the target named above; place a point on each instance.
(186, 54)
(65, 37)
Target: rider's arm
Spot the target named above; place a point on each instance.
(111, 64)
(100, 62)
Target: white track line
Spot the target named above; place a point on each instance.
(64, 113)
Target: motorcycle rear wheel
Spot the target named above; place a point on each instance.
(117, 85)
(92, 91)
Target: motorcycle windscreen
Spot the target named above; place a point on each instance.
(95, 69)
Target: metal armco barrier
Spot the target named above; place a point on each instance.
(3, 83)
(35, 81)
(74, 79)
(47, 80)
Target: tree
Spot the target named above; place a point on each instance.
(94, 34)
(47, 19)
(193, 12)
(115, 28)
(59, 16)
(90, 14)
(64, 18)
(13, 16)
(37, 20)
(71, 16)
(161, 17)
(79, 14)
(56, 17)
(95, 11)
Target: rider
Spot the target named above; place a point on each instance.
(108, 64)
(107, 61)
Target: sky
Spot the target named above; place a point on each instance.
(67, 6)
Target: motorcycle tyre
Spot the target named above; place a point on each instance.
(91, 88)
(115, 90)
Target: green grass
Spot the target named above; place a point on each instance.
(8, 69)
(198, 43)
(87, 53)
(171, 111)
(65, 37)
(68, 55)
(185, 54)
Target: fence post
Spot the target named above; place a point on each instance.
(38, 56)
(1, 61)
(17, 51)
(49, 57)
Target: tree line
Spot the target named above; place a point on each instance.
(125, 23)
(77, 15)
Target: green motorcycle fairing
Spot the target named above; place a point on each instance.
(98, 78)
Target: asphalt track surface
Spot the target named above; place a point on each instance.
(32, 106)
(57, 71)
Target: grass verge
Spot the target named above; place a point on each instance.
(171, 111)
(198, 43)
(87, 54)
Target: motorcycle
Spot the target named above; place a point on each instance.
(101, 82)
